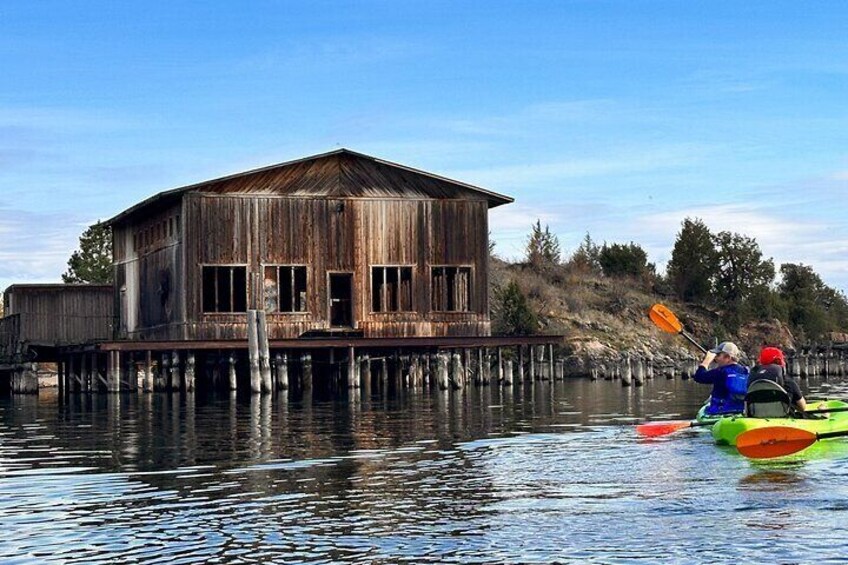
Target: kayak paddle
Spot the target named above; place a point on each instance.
(665, 427)
(665, 320)
(778, 441)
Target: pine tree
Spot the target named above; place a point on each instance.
(511, 313)
(693, 262)
(618, 260)
(741, 272)
(92, 262)
(585, 257)
(543, 248)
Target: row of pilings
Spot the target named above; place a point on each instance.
(115, 371)
(336, 368)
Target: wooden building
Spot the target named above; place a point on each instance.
(39, 318)
(340, 259)
(339, 243)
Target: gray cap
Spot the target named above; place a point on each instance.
(727, 347)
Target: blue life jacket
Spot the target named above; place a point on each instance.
(730, 383)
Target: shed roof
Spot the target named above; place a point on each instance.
(338, 173)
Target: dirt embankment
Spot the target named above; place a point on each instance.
(606, 324)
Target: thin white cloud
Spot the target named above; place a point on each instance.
(569, 167)
(34, 247)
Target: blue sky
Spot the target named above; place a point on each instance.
(617, 118)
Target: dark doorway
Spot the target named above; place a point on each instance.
(341, 300)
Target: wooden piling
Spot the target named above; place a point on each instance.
(532, 351)
(551, 362)
(457, 371)
(253, 353)
(231, 373)
(625, 371)
(189, 372)
(282, 371)
(175, 371)
(499, 373)
(442, 369)
(264, 351)
(351, 368)
(306, 360)
(148, 371)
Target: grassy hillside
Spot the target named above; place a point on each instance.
(605, 319)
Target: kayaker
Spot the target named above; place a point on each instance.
(772, 367)
(728, 377)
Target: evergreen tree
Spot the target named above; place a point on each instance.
(618, 260)
(511, 313)
(813, 307)
(741, 273)
(693, 262)
(92, 262)
(542, 247)
(585, 258)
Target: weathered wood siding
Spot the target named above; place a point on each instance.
(149, 275)
(58, 314)
(340, 212)
(336, 235)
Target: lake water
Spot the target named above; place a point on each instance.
(544, 473)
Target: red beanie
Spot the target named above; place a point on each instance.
(772, 355)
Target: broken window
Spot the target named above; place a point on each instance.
(391, 289)
(451, 289)
(285, 288)
(224, 289)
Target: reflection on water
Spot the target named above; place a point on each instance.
(528, 474)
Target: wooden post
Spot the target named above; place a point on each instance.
(551, 361)
(264, 350)
(560, 370)
(113, 371)
(351, 368)
(148, 371)
(163, 375)
(84, 372)
(189, 372)
(60, 377)
(626, 374)
(509, 378)
(365, 374)
(231, 373)
(638, 371)
(521, 377)
(414, 370)
(282, 371)
(442, 358)
(398, 376)
(70, 375)
(306, 359)
(458, 371)
(499, 373)
(132, 372)
(480, 373)
(384, 374)
(532, 363)
(175, 370)
(253, 353)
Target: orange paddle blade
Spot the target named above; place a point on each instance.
(656, 429)
(665, 319)
(773, 441)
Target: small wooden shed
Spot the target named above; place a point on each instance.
(334, 244)
(46, 316)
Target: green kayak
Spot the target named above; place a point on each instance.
(727, 428)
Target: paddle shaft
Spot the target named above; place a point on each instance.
(693, 342)
(828, 435)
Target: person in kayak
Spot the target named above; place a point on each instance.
(772, 366)
(728, 377)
